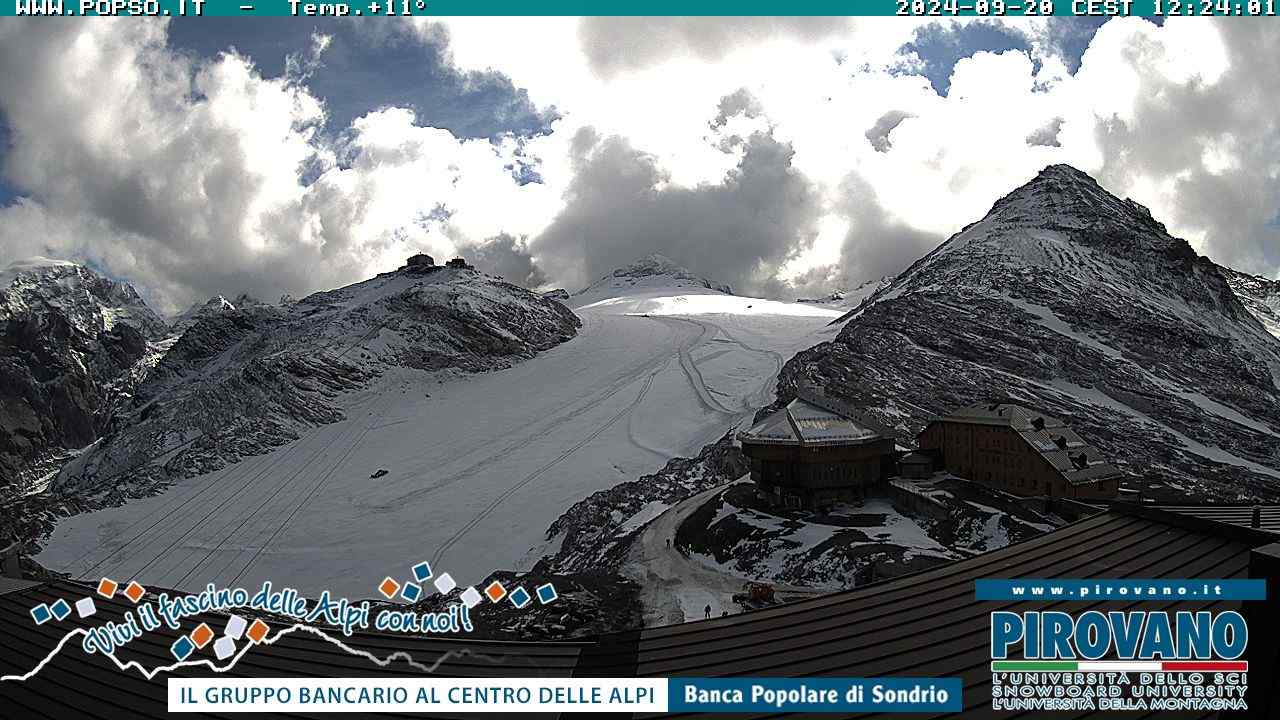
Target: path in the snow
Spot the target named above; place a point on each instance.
(675, 588)
(478, 466)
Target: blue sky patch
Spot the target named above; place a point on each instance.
(1069, 37)
(940, 47)
(367, 67)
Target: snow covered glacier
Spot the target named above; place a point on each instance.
(478, 465)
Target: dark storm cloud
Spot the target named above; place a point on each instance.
(876, 244)
(367, 66)
(878, 134)
(939, 47)
(737, 232)
(619, 44)
(1174, 126)
(1047, 135)
(508, 257)
(7, 193)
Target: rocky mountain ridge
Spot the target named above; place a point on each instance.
(73, 346)
(1067, 298)
(245, 379)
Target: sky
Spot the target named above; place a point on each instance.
(784, 156)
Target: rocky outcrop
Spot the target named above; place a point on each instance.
(595, 533)
(251, 377)
(73, 345)
(1071, 300)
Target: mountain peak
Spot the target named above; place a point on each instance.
(1065, 197)
(36, 264)
(654, 270)
(85, 299)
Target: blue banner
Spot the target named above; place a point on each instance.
(815, 695)
(1125, 589)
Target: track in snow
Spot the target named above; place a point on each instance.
(477, 470)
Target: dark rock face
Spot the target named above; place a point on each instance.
(71, 342)
(1069, 299)
(591, 528)
(250, 377)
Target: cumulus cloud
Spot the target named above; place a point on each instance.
(1046, 135)
(186, 176)
(615, 44)
(937, 47)
(1197, 136)
(621, 206)
(192, 173)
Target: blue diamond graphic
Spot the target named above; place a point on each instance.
(41, 614)
(546, 593)
(60, 609)
(422, 572)
(411, 592)
(182, 648)
(520, 597)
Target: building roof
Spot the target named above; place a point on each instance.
(1242, 515)
(1072, 456)
(805, 424)
(870, 631)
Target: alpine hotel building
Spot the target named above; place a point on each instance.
(1018, 450)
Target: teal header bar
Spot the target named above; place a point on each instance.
(399, 8)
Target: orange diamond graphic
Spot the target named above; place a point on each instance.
(495, 591)
(388, 588)
(107, 587)
(257, 631)
(202, 635)
(135, 591)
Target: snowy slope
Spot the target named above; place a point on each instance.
(198, 311)
(242, 380)
(654, 272)
(73, 344)
(478, 466)
(1260, 296)
(1070, 299)
(851, 298)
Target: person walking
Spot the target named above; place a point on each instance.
(706, 612)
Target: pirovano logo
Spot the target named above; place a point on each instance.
(1122, 660)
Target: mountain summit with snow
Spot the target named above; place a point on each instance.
(73, 343)
(246, 377)
(654, 271)
(1069, 299)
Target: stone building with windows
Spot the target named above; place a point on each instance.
(1018, 450)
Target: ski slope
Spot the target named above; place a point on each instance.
(478, 466)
